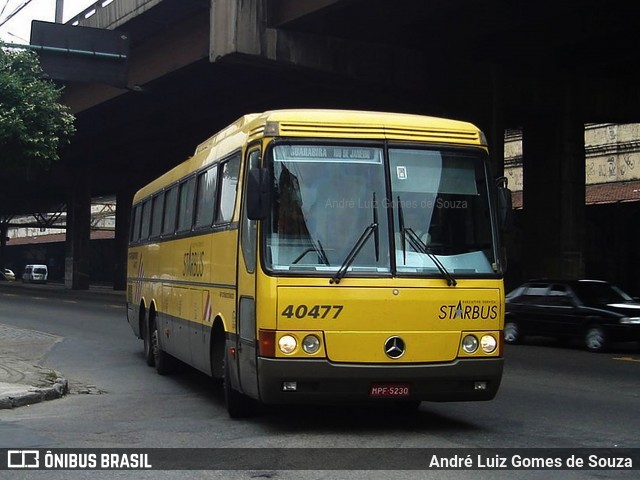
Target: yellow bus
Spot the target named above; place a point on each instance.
(325, 257)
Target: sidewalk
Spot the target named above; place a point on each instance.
(23, 381)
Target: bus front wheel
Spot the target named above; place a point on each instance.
(238, 404)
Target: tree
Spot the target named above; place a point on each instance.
(33, 124)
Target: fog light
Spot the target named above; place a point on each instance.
(480, 386)
(287, 344)
(470, 344)
(289, 386)
(310, 344)
(488, 344)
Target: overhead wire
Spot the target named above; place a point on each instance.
(15, 12)
(4, 8)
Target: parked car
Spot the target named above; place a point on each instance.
(8, 274)
(594, 311)
(35, 274)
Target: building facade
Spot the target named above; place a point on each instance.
(612, 200)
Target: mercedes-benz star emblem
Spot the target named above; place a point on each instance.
(394, 347)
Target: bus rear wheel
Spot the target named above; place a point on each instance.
(148, 344)
(162, 360)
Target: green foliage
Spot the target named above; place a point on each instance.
(33, 124)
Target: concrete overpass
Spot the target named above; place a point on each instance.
(196, 65)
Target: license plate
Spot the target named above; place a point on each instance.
(390, 390)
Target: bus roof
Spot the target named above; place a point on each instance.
(319, 123)
(352, 124)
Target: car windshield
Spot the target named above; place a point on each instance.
(598, 293)
(417, 208)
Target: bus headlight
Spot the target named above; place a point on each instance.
(488, 344)
(470, 344)
(287, 344)
(310, 344)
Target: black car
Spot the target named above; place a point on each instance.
(592, 310)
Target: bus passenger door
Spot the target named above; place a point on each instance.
(246, 316)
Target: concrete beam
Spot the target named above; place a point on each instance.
(177, 46)
(374, 63)
(113, 14)
(238, 28)
(282, 12)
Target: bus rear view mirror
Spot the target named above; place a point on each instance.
(505, 204)
(258, 193)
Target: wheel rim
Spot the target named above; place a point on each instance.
(510, 332)
(595, 339)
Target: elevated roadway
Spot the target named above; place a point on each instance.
(196, 65)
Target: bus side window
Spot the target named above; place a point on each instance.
(156, 216)
(170, 207)
(228, 189)
(206, 198)
(185, 205)
(135, 223)
(134, 231)
(146, 220)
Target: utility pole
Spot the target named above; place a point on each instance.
(59, 7)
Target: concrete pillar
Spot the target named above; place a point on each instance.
(4, 230)
(124, 200)
(77, 266)
(554, 194)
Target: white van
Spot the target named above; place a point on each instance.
(35, 274)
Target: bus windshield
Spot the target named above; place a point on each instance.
(326, 197)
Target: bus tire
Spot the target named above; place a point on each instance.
(238, 405)
(162, 360)
(146, 339)
(217, 351)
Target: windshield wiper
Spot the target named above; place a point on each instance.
(355, 250)
(322, 256)
(419, 246)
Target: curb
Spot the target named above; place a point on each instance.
(59, 388)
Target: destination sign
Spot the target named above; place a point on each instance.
(327, 153)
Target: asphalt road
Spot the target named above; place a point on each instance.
(551, 397)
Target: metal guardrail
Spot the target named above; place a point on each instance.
(72, 51)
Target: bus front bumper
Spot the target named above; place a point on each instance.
(323, 382)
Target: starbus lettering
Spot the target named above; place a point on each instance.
(468, 312)
(193, 263)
